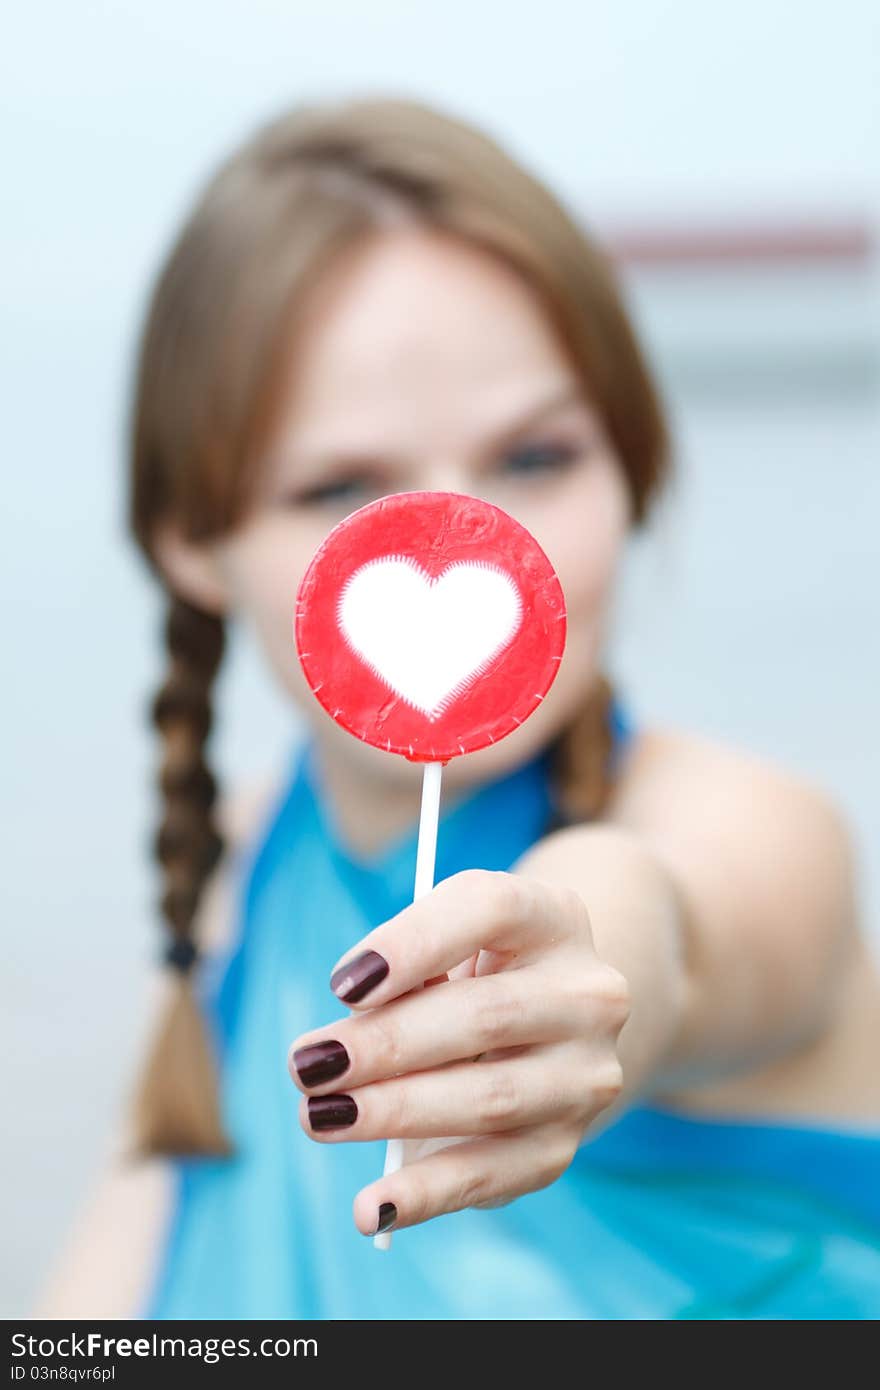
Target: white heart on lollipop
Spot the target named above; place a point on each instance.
(428, 638)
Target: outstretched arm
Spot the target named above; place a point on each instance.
(706, 928)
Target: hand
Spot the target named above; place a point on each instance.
(517, 1050)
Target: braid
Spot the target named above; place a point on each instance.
(582, 758)
(187, 844)
(177, 1109)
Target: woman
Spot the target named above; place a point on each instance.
(651, 1013)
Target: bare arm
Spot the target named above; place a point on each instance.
(108, 1260)
(723, 892)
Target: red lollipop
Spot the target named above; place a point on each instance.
(429, 624)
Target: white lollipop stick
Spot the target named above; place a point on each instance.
(426, 855)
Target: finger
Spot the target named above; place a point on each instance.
(428, 1028)
(474, 1173)
(488, 1097)
(470, 911)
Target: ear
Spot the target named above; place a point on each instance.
(191, 570)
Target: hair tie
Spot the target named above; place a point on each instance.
(180, 953)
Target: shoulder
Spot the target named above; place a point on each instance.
(677, 785)
(762, 856)
(719, 815)
(756, 852)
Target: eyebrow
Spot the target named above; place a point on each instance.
(336, 460)
(572, 393)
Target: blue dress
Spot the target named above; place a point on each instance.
(659, 1217)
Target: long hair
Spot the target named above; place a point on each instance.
(271, 221)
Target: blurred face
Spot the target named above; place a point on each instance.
(429, 365)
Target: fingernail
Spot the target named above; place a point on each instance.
(357, 977)
(332, 1112)
(387, 1218)
(319, 1062)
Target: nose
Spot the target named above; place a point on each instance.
(447, 475)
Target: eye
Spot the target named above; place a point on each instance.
(541, 457)
(348, 489)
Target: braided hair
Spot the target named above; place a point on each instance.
(176, 1108)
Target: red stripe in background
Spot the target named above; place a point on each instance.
(849, 243)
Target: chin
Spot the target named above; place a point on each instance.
(525, 743)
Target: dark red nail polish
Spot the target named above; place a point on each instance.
(387, 1217)
(332, 1112)
(357, 977)
(321, 1061)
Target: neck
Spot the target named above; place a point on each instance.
(368, 810)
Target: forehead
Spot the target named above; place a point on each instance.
(416, 332)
